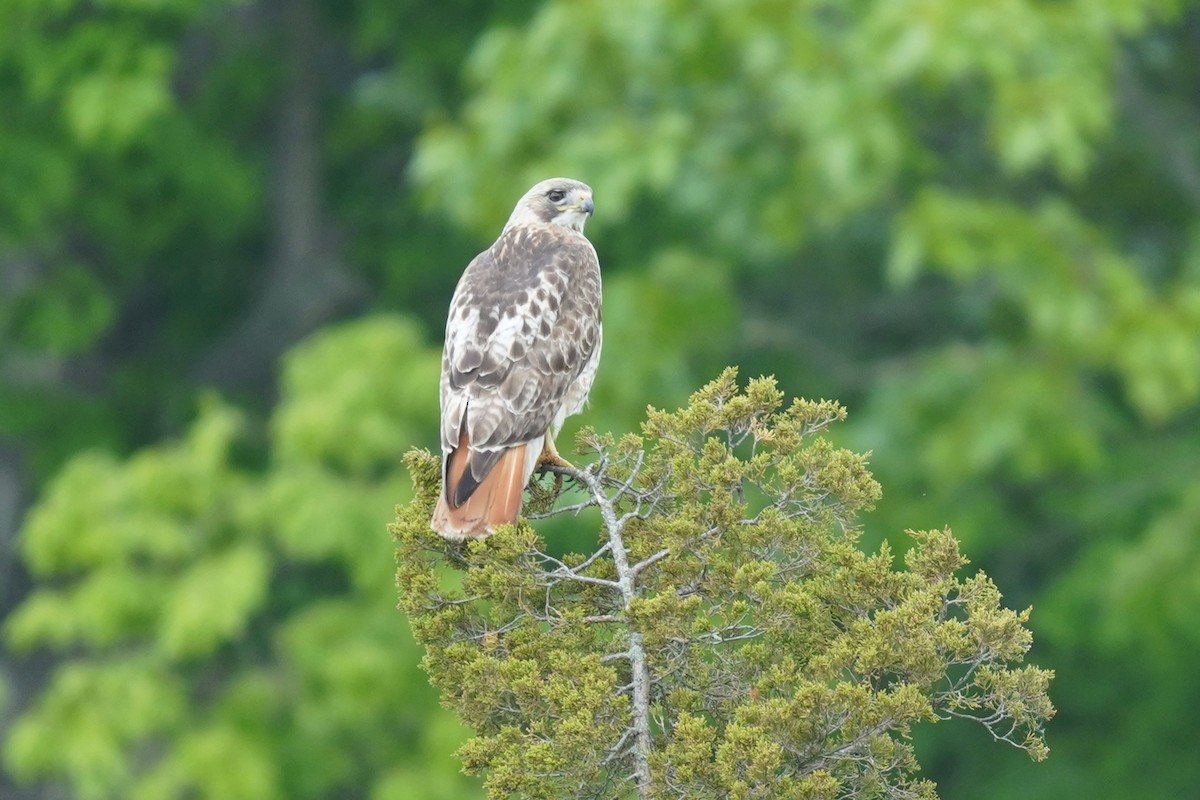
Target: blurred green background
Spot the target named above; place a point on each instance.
(229, 230)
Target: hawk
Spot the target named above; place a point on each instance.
(522, 345)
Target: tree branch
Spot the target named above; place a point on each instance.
(626, 583)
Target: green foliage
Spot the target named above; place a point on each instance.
(650, 305)
(781, 115)
(226, 633)
(975, 222)
(141, 146)
(106, 178)
(728, 638)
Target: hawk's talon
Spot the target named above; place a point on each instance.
(549, 457)
(546, 461)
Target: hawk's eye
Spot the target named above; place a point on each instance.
(556, 195)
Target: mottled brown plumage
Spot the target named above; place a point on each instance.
(522, 345)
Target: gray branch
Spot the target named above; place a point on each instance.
(639, 687)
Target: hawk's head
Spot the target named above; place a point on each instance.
(557, 201)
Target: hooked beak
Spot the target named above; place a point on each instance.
(586, 205)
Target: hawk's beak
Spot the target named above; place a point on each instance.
(586, 205)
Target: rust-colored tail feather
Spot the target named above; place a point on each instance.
(495, 501)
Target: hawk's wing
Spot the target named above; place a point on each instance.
(524, 325)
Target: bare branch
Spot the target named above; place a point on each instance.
(650, 560)
(567, 575)
(640, 684)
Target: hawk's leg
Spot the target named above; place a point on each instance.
(551, 458)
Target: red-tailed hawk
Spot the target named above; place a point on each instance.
(522, 345)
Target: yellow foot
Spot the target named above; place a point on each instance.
(551, 458)
(546, 460)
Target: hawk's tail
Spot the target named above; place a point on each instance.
(495, 501)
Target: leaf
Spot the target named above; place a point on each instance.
(212, 602)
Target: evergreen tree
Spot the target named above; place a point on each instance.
(727, 639)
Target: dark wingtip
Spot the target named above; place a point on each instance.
(479, 465)
(463, 490)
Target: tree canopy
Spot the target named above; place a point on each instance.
(727, 638)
